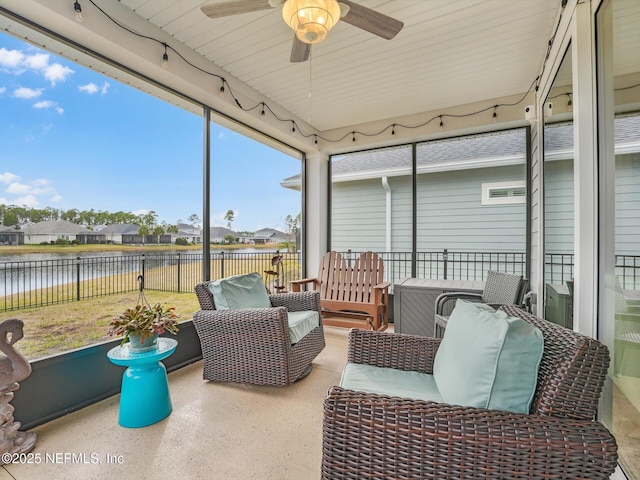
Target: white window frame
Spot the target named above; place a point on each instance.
(488, 187)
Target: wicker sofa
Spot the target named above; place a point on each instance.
(367, 435)
(253, 345)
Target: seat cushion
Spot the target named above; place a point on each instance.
(240, 291)
(488, 359)
(389, 381)
(301, 323)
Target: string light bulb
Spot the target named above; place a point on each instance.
(165, 57)
(495, 115)
(441, 123)
(393, 129)
(78, 9)
(569, 102)
(221, 89)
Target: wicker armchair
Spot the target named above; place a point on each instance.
(374, 436)
(253, 345)
(500, 289)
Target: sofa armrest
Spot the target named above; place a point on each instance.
(392, 350)
(297, 301)
(375, 436)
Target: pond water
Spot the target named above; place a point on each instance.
(30, 271)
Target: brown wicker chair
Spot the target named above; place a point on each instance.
(253, 345)
(374, 436)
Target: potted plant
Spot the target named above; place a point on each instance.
(142, 324)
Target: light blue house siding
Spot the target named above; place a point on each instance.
(358, 216)
(628, 204)
(559, 208)
(450, 213)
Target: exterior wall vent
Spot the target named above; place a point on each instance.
(504, 193)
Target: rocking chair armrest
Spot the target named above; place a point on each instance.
(296, 284)
(382, 286)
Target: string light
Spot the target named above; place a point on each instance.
(221, 90)
(165, 57)
(495, 115)
(264, 107)
(78, 9)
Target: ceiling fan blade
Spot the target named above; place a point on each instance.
(299, 51)
(371, 21)
(234, 7)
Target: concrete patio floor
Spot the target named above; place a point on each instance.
(216, 431)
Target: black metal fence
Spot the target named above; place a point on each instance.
(26, 284)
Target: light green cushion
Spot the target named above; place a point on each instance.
(389, 381)
(301, 323)
(488, 359)
(240, 291)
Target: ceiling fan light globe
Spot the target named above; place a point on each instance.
(311, 20)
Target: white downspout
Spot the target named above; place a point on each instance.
(387, 189)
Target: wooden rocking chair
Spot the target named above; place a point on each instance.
(351, 296)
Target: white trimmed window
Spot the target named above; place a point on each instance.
(504, 193)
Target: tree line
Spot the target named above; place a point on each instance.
(12, 215)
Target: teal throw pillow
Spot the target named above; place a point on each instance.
(240, 291)
(488, 359)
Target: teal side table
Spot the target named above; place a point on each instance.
(144, 398)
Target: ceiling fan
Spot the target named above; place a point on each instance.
(311, 20)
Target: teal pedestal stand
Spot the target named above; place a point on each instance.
(144, 399)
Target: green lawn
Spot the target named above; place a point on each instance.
(58, 328)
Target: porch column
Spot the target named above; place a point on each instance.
(585, 174)
(316, 208)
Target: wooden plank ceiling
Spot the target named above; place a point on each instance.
(449, 53)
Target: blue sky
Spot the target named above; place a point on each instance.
(73, 138)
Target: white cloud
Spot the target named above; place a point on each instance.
(56, 73)
(2, 90)
(37, 61)
(11, 58)
(24, 92)
(27, 193)
(142, 211)
(7, 177)
(91, 88)
(4, 201)
(37, 187)
(17, 62)
(18, 188)
(49, 104)
(27, 200)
